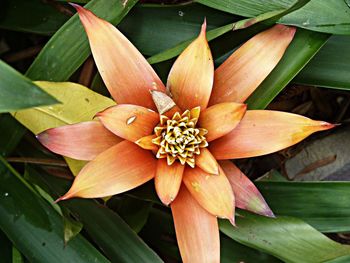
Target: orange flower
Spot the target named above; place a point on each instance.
(200, 119)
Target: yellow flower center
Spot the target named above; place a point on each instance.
(178, 137)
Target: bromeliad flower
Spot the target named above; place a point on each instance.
(176, 134)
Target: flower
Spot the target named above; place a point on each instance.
(183, 134)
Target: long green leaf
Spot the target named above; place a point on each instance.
(168, 25)
(35, 227)
(44, 18)
(304, 46)
(69, 47)
(18, 92)
(11, 134)
(324, 205)
(106, 228)
(288, 239)
(330, 67)
(5, 247)
(213, 34)
(330, 16)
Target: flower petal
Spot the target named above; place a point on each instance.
(197, 231)
(116, 170)
(206, 161)
(130, 122)
(126, 73)
(247, 196)
(190, 80)
(221, 119)
(247, 67)
(213, 193)
(262, 132)
(168, 180)
(82, 141)
(146, 143)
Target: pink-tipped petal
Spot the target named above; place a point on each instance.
(213, 193)
(221, 119)
(168, 180)
(190, 80)
(116, 170)
(126, 73)
(262, 132)
(130, 122)
(82, 141)
(247, 67)
(247, 196)
(197, 231)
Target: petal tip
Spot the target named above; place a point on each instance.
(232, 220)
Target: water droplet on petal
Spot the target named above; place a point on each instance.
(130, 120)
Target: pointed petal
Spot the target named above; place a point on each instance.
(247, 67)
(206, 161)
(213, 193)
(146, 143)
(119, 169)
(168, 180)
(126, 73)
(247, 196)
(221, 119)
(262, 132)
(197, 231)
(82, 141)
(130, 122)
(191, 78)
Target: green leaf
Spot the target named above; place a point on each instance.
(18, 92)
(34, 227)
(330, 67)
(44, 18)
(105, 227)
(168, 25)
(324, 205)
(286, 238)
(16, 256)
(332, 16)
(303, 47)
(78, 104)
(11, 133)
(69, 47)
(213, 34)
(248, 8)
(71, 228)
(318, 15)
(5, 247)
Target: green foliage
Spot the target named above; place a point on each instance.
(135, 227)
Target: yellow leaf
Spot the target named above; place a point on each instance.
(78, 104)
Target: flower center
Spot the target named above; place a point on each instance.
(178, 137)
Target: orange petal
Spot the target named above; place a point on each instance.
(126, 73)
(261, 132)
(82, 141)
(247, 67)
(130, 122)
(146, 143)
(247, 196)
(221, 119)
(197, 231)
(206, 161)
(213, 193)
(190, 80)
(116, 170)
(168, 180)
